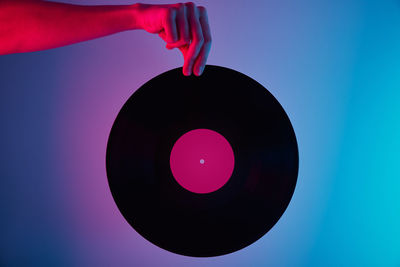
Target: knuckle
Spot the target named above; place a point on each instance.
(197, 36)
(181, 11)
(200, 40)
(199, 43)
(202, 9)
(190, 4)
(207, 43)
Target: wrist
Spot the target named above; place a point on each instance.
(135, 14)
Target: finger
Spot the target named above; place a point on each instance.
(201, 60)
(170, 25)
(182, 24)
(197, 39)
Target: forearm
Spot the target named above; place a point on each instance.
(36, 25)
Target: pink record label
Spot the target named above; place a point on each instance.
(202, 161)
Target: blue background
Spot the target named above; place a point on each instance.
(333, 65)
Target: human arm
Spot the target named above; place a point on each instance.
(28, 26)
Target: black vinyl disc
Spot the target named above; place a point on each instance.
(260, 185)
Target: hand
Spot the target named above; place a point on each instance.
(183, 26)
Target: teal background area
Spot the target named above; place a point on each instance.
(333, 65)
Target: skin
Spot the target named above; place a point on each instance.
(33, 25)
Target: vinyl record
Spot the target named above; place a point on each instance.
(202, 166)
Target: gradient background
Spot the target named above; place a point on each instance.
(333, 65)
